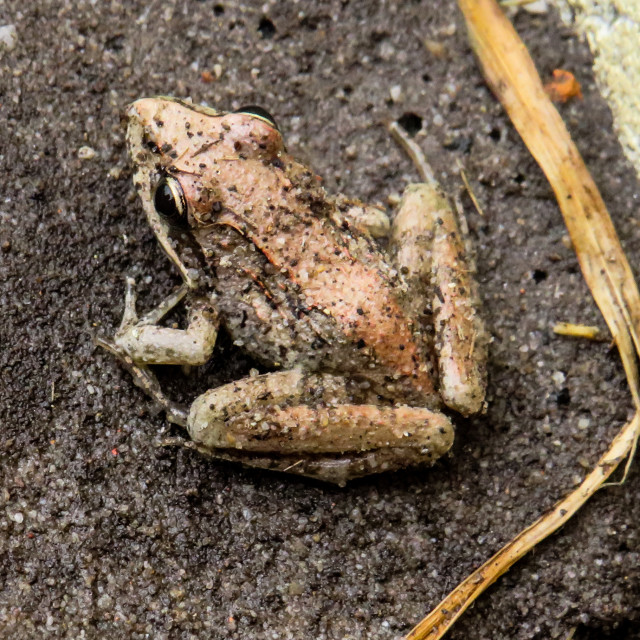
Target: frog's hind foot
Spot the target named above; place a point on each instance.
(144, 378)
(176, 441)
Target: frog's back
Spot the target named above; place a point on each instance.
(306, 289)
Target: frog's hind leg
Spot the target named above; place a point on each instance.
(427, 247)
(306, 424)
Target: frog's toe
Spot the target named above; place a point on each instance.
(130, 315)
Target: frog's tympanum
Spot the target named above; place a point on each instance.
(365, 339)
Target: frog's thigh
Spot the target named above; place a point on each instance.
(427, 246)
(292, 413)
(151, 344)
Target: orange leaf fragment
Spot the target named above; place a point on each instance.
(563, 87)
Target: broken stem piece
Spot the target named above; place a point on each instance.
(513, 78)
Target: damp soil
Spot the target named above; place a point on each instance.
(105, 534)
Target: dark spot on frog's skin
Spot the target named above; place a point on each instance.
(439, 222)
(361, 344)
(189, 134)
(294, 262)
(173, 155)
(202, 165)
(159, 123)
(359, 311)
(187, 124)
(401, 347)
(277, 163)
(166, 147)
(237, 145)
(151, 145)
(232, 188)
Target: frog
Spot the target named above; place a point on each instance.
(367, 330)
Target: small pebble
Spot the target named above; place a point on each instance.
(538, 7)
(396, 93)
(8, 37)
(435, 48)
(351, 152)
(86, 153)
(105, 601)
(296, 588)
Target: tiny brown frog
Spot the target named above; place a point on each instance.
(365, 345)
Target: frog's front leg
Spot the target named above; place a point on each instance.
(427, 247)
(307, 424)
(147, 343)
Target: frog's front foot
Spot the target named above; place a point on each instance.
(146, 342)
(144, 378)
(130, 315)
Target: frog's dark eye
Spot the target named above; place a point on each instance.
(260, 113)
(169, 201)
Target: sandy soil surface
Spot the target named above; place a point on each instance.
(105, 534)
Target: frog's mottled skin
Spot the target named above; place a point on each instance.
(366, 345)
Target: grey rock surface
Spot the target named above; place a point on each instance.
(105, 534)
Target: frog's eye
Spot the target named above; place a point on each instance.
(169, 201)
(260, 113)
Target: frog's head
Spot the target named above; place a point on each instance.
(191, 162)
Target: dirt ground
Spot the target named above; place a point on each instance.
(105, 534)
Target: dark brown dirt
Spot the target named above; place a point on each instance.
(103, 533)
